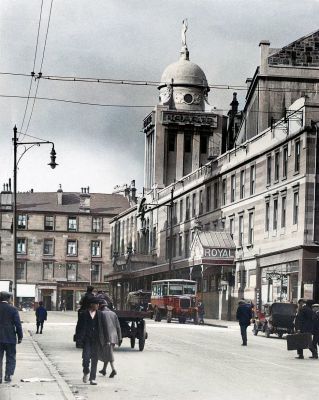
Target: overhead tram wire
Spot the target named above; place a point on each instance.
(32, 73)
(40, 71)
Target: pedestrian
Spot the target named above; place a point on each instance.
(62, 305)
(315, 337)
(91, 336)
(114, 336)
(304, 324)
(10, 332)
(41, 316)
(243, 315)
(201, 312)
(103, 296)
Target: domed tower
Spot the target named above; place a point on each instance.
(180, 134)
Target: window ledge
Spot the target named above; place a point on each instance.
(296, 173)
(250, 245)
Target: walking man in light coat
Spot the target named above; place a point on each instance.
(114, 336)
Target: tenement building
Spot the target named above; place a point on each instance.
(63, 243)
(237, 214)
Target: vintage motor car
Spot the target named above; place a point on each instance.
(279, 319)
(138, 300)
(174, 298)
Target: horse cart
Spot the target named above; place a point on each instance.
(133, 326)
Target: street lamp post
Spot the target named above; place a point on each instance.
(53, 164)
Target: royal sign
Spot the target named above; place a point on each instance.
(218, 252)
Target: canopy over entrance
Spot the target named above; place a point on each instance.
(212, 248)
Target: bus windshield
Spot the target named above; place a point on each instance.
(175, 289)
(189, 289)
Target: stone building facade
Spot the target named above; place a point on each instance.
(243, 224)
(63, 243)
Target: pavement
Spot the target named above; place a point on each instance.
(45, 380)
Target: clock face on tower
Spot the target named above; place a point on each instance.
(188, 98)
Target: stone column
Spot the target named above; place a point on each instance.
(179, 155)
(195, 151)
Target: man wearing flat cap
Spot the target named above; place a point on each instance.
(10, 332)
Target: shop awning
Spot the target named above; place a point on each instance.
(212, 248)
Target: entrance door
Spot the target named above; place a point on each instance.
(47, 302)
(68, 296)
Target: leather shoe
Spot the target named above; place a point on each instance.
(299, 358)
(85, 378)
(314, 357)
(102, 372)
(7, 378)
(93, 383)
(113, 373)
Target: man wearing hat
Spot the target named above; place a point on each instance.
(10, 332)
(315, 331)
(304, 324)
(243, 316)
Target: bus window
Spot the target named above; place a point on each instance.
(189, 289)
(159, 290)
(154, 290)
(165, 290)
(176, 290)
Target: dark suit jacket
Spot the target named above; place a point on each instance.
(10, 325)
(244, 314)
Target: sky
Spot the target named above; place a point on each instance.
(103, 146)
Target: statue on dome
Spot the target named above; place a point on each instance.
(184, 29)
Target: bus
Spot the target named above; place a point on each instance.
(174, 298)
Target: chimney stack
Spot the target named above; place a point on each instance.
(60, 195)
(85, 200)
(264, 53)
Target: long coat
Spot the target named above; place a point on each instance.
(113, 326)
(41, 314)
(244, 314)
(10, 324)
(304, 319)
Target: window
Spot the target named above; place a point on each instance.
(267, 209)
(283, 212)
(174, 211)
(72, 248)
(187, 208)
(48, 247)
(171, 142)
(242, 184)
(96, 248)
(22, 221)
(231, 226)
(241, 230)
(48, 223)
(224, 191)
(252, 179)
(268, 169)
(297, 156)
(275, 216)
(232, 188)
(208, 198)
(71, 271)
(216, 195)
(180, 244)
(95, 272)
(203, 144)
(285, 162)
(47, 271)
(201, 205)
(251, 228)
(194, 205)
(181, 211)
(21, 246)
(277, 161)
(295, 208)
(187, 244)
(72, 224)
(21, 271)
(187, 143)
(97, 224)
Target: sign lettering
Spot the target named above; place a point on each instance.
(218, 252)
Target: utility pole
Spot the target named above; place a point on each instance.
(170, 250)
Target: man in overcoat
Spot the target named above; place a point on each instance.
(114, 336)
(10, 332)
(304, 324)
(243, 315)
(41, 316)
(91, 336)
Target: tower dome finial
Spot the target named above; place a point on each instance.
(184, 49)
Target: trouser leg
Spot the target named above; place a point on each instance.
(41, 326)
(38, 325)
(315, 342)
(243, 331)
(1, 358)
(86, 356)
(10, 359)
(300, 352)
(94, 361)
